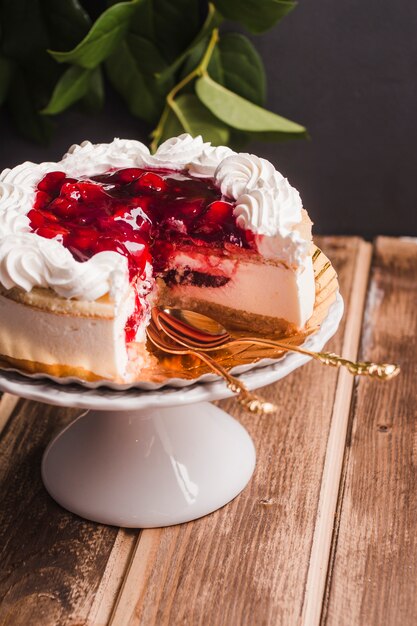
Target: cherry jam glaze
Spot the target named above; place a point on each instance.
(139, 213)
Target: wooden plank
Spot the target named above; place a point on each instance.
(7, 406)
(248, 562)
(372, 581)
(323, 532)
(52, 563)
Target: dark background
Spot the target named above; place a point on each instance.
(347, 70)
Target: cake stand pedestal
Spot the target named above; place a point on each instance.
(154, 467)
(152, 457)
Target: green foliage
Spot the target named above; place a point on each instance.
(240, 113)
(71, 87)
(167, 61)
(256, 15)
(102, 38)
(194, 118)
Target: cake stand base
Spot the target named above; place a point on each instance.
(151, 467)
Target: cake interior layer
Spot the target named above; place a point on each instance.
(82, 343)
(259, 294)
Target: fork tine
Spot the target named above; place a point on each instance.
(183, 330)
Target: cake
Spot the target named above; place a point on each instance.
(88, 245)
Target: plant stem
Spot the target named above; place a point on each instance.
(200, 70)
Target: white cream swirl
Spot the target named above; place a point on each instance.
(205, 165)
(90, 159)
(27, 261)
(14, 203)
(27, 174)
(271, 213)
(242, 172)
(269, 210)
(177, 152)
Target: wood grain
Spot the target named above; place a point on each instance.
(373, 578)
(330, 481)
(51, 562)
(248, 562)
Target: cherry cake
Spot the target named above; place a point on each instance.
(89, 244)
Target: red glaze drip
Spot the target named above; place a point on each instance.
(141, 214)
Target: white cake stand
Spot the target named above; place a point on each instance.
(144, 459)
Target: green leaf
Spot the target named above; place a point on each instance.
(103, 37)
(194, 57)
(127, 78)
(197, 46)
(196, 119)
(71, 87)
(176, 25)
(172, 127)
(66, 21)
(93, 101)
(147, 55)
(256, 15)
(21, 101)
(142, 22)
(241, 114)
(5, 77)
(241, 68)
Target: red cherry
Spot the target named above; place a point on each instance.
(218, 212)
(149, 181)
(92, 193)
(36, 218)
(187, 210)
(109, 243)
(71, 191)
(64, 208)
(52, 182)
(83, 238)
(50, 217)
(127, 175)
(86, 219)
(104, 222)
(42, 199)
(52, 231)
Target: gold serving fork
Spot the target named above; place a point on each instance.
(199, 332)
(250, 401)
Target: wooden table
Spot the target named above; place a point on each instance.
(325, 532)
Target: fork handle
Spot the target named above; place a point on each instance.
(381, 371)
(249, 400)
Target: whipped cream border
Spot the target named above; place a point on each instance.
(266, 204)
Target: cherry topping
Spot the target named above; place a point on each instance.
(52, 182)
(52, 231)
(134, 212)
(150, 181)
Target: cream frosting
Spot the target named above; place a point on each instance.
(28, 261)
(265, 204)
(177, 152)
(256, 210)
(205, 165)
(14, 220)
(243, 172)
(92, 159)
(274, 230)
